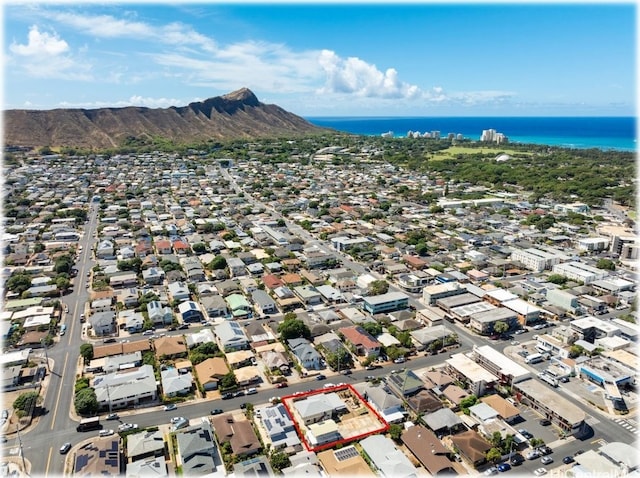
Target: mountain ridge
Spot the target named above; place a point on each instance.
(238, 114)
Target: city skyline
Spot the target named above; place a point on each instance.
(422, 59)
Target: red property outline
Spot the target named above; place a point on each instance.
(334, 388)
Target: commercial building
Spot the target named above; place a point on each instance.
(431, 293)
(507, 371)
(534, 259)
(483, 322)
(388, 302)
(560, 411)
(579, 271)
(479, 380)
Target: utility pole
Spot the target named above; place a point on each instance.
(24, 465)
(46, 356)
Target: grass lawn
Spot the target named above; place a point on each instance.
(455, 150)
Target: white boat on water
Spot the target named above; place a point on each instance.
(388, 134)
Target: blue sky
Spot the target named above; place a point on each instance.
(368, 59)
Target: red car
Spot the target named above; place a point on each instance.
(282, 385)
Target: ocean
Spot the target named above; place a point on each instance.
(606, 133)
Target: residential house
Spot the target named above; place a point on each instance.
(145, 445)
(361, 341)
(239, 433)
(159, 314)
(125, 388)
(170, 347)
(231, 337)
(179, 291)
(320, 407)
(386, 458)
(471, 446)
(279, 427)
(199, 452)
(263, 302)
(430, 452)
(307, 356)
(103, 323)
(214, 306)
(211, 371)
(153, 276)
(175, 383)
(190, 312)
(202, 336)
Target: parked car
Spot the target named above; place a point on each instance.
(545, 422)
(282, 385)
(540, 471)
(251, 391)
(546, 460)
(175, 420)
(227, 396)
(110, 340)
(532, 455)
(564, 379)
(520, 331)
(368, 378)
(525, 433)
(244, 405)
(320, 377)
(491, 471)
(346, 371)
(105, 433)
(147, 332)
(239, 393)
(516, 460)
(183, 326)
(579, 452)
(400, 360)
(504, 467)
(113, 416)
(171, 406)
(545, 450)
(64, 449)
(567, 459)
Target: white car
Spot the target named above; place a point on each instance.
(175, 420)
(532, 455)
(491, 471)
(127, 426)
(168, 408)
(546, 460)
(540, 471)
(105, 433)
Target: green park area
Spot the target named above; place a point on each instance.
(454, 151)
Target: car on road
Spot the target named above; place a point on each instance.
(175, 420)
(64, 449)
(244, 405)
(183, 326)
(226, 396)
(127, 426)
(346, 371)
(171, 406)
(502, 467)
(239, 393)
(147, 332)
(251, 391)
(546, 460)
(368, 378)
(113, 416)
(539, 326)
(400, 360)
(371, 367)
(540, 471)
(520, 331)
(216, 411)
(105, 433)
(567, 459)
(564, 379)
(491, 471)
(282, 385)
(545, 422)
(579, 452)
(515, 342)
(320, 377)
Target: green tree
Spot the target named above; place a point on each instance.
(395, 432)
(374, 328)
(293, 329)
(535, 442)
(557, 279)
(606, 264)
(378, 287)
(218, 263)
(86, 351)
(62, 283)
(19, 283)
(199, 248)
(26, 402)
(340, 359)
(575, 351)
(86, 402)
(500, 327)
(494, 455)
(279, 460)
(228, 381)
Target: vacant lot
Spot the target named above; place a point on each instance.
(453, 151)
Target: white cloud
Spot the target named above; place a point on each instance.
(47, 56)
(135, 100)
(40, 44)
(107, 26)
(355, 76)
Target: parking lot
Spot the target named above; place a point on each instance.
(531, 423)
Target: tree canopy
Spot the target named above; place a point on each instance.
(293, 329)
